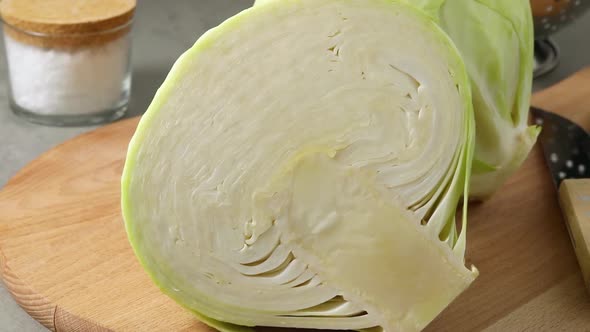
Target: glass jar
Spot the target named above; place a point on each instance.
(69, 60)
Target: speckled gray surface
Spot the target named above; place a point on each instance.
(162, 31)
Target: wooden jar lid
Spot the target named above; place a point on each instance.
(66, 23)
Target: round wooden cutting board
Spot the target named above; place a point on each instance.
(65, 255)
(66, 259)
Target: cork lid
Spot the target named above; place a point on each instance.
(56, 20)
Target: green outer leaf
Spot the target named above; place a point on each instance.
(495, 38)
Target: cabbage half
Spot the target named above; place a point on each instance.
(301, 167)
(495, 39)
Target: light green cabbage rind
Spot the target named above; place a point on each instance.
(327, 198)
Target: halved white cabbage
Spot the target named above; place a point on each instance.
(326, 196)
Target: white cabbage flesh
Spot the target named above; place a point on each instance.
(495, 39)
(324, 198)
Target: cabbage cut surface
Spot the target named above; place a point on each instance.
(301, 167)
(495, 39)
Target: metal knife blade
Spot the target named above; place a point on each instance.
(566, 146)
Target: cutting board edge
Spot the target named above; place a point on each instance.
(36, 305)
(41, 308)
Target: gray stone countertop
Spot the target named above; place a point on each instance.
(162, 31)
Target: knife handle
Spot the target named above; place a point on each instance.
(574, 198)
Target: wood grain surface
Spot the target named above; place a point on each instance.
(66, 259)
(574, 199)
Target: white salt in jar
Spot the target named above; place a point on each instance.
(68, 60)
